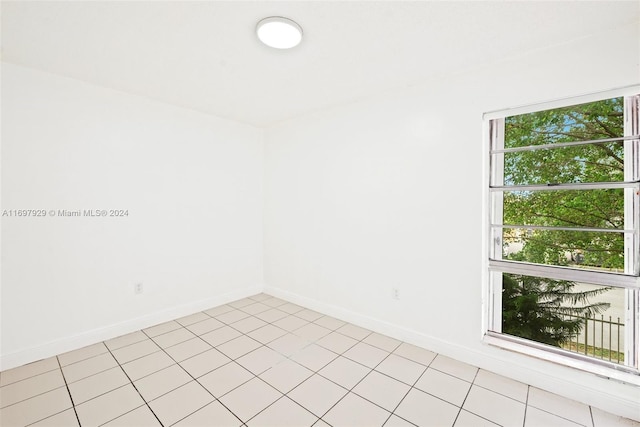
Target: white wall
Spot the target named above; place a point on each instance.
(192, 184)
(388, 193)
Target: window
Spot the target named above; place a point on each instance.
(564, 233)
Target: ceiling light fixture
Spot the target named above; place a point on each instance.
(279, 32)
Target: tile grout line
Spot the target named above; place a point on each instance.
(412, 386)
(40, 394)
(48, 416)
(355, 385)
(526, 406)
(289, 358)
(254, 375)
(558, 415)
(495, 391)
(35, 395)
(195, 380)
(135, 388)
(68, 391)
(30, 376)
(283, 396)
(88, 400)
(564, 418)
(174, 389)
(466, 396)
(212, 347)
(408, 391)
(425, 392)
(234, 360)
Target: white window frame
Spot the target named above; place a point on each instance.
(494, 266)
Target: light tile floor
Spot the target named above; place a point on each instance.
(262, 361)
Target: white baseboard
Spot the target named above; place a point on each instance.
(619, 404)
(22, 357)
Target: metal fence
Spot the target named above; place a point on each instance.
(600, 338)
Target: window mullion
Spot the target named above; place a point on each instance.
(496, 201)
(632, 221)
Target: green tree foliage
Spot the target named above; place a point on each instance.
(545, 310)
(568, 208)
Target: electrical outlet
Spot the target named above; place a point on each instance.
(395, 293)
(137, 288)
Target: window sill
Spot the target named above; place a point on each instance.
(601, 368)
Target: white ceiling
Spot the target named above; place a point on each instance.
(205, 56)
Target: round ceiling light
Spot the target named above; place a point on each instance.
(279, 32)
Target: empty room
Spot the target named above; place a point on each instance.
(320, 213)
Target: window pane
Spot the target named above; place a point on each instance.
(565, 208)
(582, 318)
(573, 164)
(583, 122)
(580, 249)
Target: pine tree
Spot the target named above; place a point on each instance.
(544, 310)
